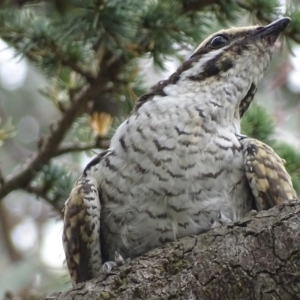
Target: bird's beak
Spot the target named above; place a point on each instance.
(272, 30)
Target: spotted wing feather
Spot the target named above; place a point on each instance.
(270, 182)
(81, 238)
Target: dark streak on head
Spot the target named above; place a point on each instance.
(158, 89)
(213, 67)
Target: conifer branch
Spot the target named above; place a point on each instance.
(22, 177)
(66, 63)
(77, 147)
(191, 6)
(50, 144)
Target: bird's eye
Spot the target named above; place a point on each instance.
(218, 41)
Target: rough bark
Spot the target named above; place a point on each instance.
(256, 258)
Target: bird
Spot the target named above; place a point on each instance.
(179, 165)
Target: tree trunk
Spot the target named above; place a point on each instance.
(256, 258)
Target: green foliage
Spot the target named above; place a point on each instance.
(54, 183)
(258, 123)
(295, 25)
(61, 86)
(226, 11)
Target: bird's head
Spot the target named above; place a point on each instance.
(226, 66)
(233, 44)
(237, 58)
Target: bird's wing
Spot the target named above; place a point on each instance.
(81, 233)
(270, 182)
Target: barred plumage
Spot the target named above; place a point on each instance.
(179, 164)
(268, 179)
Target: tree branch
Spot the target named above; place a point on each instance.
(65, 62)
(256, 258)
(23, 176)
(48, 149)
(77, 147)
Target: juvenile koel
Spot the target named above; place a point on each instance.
(179, 164)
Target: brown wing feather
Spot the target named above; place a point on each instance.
(270, 182)
(81, 237)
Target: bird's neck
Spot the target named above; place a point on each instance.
(219, 99)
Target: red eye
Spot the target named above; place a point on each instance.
(218, 41)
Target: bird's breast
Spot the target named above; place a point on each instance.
(168, 175)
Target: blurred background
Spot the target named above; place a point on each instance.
(50, 51)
